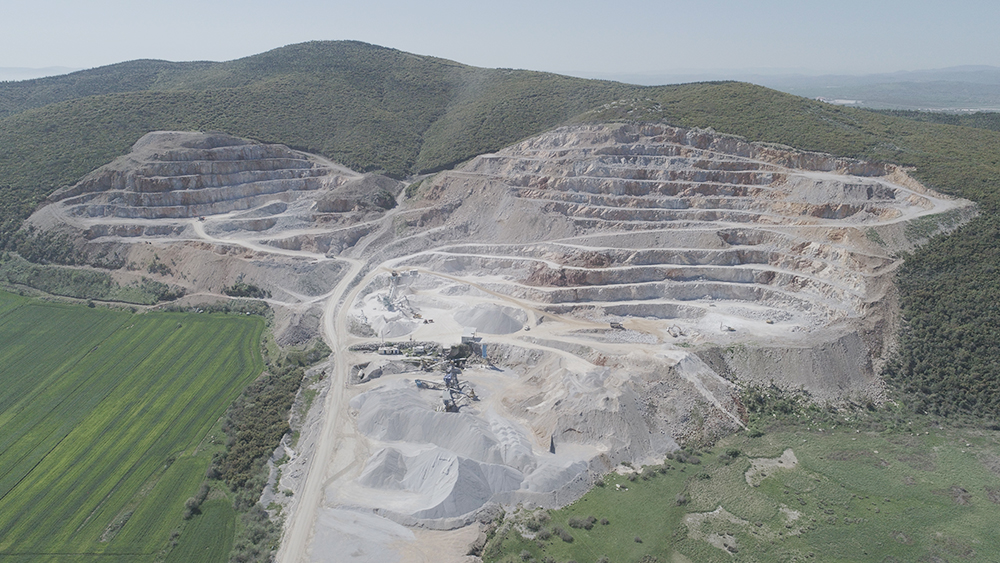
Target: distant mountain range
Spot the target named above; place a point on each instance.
(961, 88)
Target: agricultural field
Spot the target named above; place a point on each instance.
(105, 416)
(802, 491)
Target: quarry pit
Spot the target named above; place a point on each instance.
(612, 286)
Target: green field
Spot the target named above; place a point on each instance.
(209, 536)
(102, 412)
(919, 493)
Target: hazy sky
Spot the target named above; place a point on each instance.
(579, 36)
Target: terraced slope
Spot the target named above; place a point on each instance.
(724, 261)
(718, 240)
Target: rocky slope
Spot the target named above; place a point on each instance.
(723, 262)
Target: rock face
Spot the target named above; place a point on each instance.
(623, 278)
(178, 175)
(785, 253)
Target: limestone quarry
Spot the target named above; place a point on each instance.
(600, 290)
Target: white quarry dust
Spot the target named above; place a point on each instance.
(491, 319)
(716, 257)
(695, 520)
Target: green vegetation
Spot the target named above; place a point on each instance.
(902, 488)
(982, 120)
(103, 432)
(208, 538)
(243, 289)
(317, 352)
(82, 283)
(254, 424)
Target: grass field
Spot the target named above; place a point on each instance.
(923, 493)
(209, 536)
(101, 414)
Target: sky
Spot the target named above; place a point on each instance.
(579, 37)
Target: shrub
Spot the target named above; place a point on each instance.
(544, 534)
(585, 523)
(191, 507)
(563, 534)
(681, 499)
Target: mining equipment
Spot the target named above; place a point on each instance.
(454, 393)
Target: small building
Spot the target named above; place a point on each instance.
(469, 336)
(388, 350)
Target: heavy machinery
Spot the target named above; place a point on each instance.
(454, 393)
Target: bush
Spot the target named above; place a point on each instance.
(585, 523)
(544, 534)
(563, 534)
(243, 289)
(191, 507)
(681, 499)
